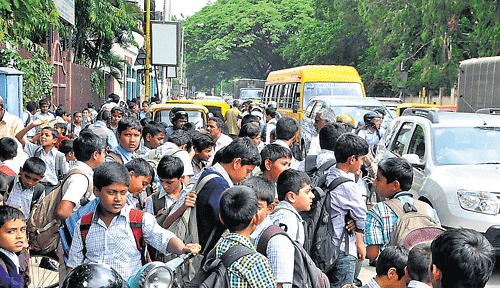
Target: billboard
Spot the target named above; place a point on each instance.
(67, 10)
(165, 43)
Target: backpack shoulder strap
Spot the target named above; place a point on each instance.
(158, 203)
(202, 182)
(135, 217)
(115, 156)
(172, 151)
(327, 165)
(234, 253)
(39, 189)
(421, 206)
(338, 181)
(269, 233)
(396, 206)
(59, 165)
(85, 223)
(310, 163)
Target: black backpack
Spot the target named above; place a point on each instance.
(214, 271)
(317, 174)
(319, 230)
(305, 273)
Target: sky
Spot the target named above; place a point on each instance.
(186, 7)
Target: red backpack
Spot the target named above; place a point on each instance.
(136, 225)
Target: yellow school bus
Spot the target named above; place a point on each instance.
(292, 88)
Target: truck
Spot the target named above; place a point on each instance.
(478, 84)
(248, 89)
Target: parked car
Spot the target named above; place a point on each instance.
(355, 107)
(456, 165)
(197, 114)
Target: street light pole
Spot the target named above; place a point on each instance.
(148, 47)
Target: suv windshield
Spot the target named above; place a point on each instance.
(357, 112)
(195, 117)
(312, 89)
(466, 145)
(251, 94)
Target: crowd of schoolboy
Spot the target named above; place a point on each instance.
(111, 152)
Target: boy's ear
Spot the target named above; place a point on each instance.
(96, 192)
(148, 137)
(271, 207)
(132, 174)
(268, 164)
(290, 197)
(396, 185)
(256, 219)
(435, 273)
(392, 274)
(236, 162)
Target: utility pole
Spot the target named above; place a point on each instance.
(148, 47)
(166, 17)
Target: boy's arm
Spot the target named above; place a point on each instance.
(20, 134)
(374, 237)
(372, 251)
(361, 247)
(190, 201)
(65, 209)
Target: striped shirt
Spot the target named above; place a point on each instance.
(248, 271)
(20, 197)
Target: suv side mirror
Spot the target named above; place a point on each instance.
(414, 161)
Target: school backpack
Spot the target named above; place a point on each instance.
(59, 162)
(155, 156)
(186, 228)
(43, 224)
(413, 225)
(305, 272)
(319, 229)
(214, 271)
(135, 217)
(317, 174)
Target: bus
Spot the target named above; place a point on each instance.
(248, 89)
(292, 88)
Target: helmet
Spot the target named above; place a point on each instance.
(346, 119)
(370, 117)
(93, 275)
(177, 113)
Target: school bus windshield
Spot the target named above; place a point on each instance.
(312, 89)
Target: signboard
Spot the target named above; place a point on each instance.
(67, 10)
(165, 43)
(171, 72)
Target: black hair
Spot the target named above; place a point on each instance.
(8, 148)
(63, 126)
(85, 145)
(396, 168)
(4, 183)
(264, 188)
(130, 105)
(273, 152)
(128, 122)
(43, 102)
(31, 106)
(118, 109)
(66, 146)
(201, 141)
(76, 112)
(149, 104)
(103, 115)
(85, 109)
(188, 126)
(54, 132)
(59, 111)
(392, 257)
(90, 104)
(8, 213)
(35, 166)
(349, 144)
(244, 148)
(153, 129)
(114, 97)
(271, 112)
(108, 173)
(249, 118)
(181, 137)
(219, 122)
(419, 260)
(238, 206)
(291, 180)
(329, 134)
(170, 167)
(465, 258)
(145, 121)
(249, 130)
(141, 167)
(286, 128)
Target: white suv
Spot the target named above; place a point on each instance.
(456, 165)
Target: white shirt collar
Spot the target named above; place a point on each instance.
(12, 256)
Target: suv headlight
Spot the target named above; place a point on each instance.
(478, 201)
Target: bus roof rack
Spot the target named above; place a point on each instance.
(492, 111)
(430, 114)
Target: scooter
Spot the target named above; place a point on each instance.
(158, 274)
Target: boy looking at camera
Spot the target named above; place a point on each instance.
(129, 137)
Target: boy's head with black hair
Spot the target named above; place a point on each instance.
(391, 265)
(103, 116)
(275, 159)
(32, 172)
(329, 134)
(114, 97)
(141, 174)
(394, 175)
(117, 113)
(249, 119)
(8, 148)
(266, 192)
(66, 147)
(61, 128)
(189, 126)
(286, 128)
(350, 150)
(111, 182)
(44, 106)
(239, 158)
(270, 113)
(294, 187)
(59, 112)
(153, 134)
(144, 121)
(31, 107)
(170, 171)
(238, 209)
(89, 148)
(202, 144)
(129, 133)
(251, 131)
(48, 137)
(12, 229)
(419, 260)
(77, 117)
(182, 139)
